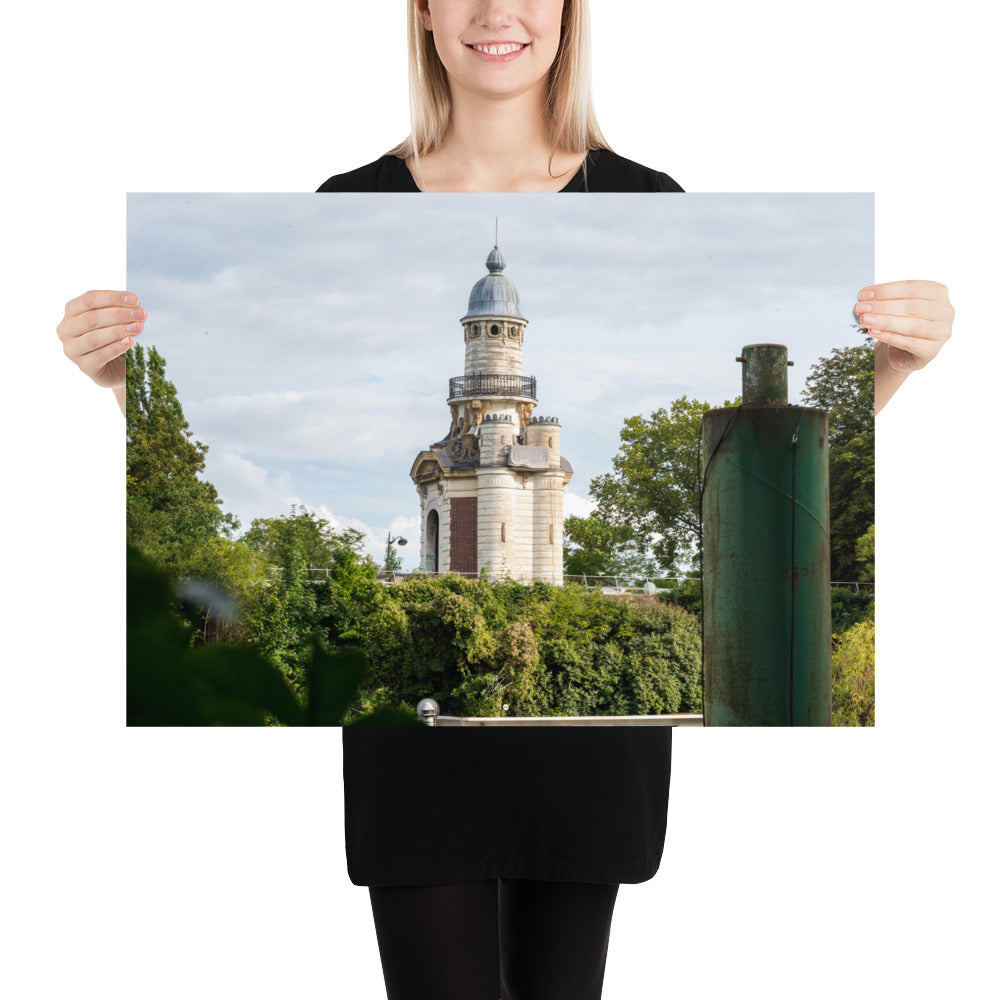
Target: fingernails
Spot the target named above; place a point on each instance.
(862, 307)
(139, 314)
(134, 328)
(127, 342)
(130, 300)
(866, 293)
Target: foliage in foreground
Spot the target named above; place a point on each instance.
(172, 683)
(854, 676)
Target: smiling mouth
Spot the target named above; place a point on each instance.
(501, 49)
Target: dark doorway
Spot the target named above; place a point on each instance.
(433, 536)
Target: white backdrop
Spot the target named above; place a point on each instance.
(210, 864)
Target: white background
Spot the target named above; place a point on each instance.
(210, 864)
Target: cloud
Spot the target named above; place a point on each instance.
(575, 505)
(249, 490)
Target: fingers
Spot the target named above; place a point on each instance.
(906, 353)
(912, 289)
(926, 300)
(913, 318)
(98, 327)
(905, 326)
(930, 310)
(103, 327)
(99, 300)
(107, 366)
(919, 349)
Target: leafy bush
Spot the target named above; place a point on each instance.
(854, 676)
(498, 648)
(849, 607)
(686, 595)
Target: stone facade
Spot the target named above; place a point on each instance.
(491, 491)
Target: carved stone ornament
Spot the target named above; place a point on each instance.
(475, 410)
(468, 448)
(524, 411)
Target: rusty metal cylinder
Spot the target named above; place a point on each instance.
(766, 554)
(765, 374)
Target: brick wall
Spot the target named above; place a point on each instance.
(464, 537)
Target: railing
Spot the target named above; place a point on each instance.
(492, 385)
(398, 576)
(609, 584)
(573, 720)
(314, 574)
(625, 584)
(429, 712)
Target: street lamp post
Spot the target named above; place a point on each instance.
(392, 560)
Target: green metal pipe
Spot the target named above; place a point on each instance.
(766, 554)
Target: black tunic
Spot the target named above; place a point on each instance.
(605, 172)
(433, 806)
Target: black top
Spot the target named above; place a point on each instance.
(437, 806)
(602, 171)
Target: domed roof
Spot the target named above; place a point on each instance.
(494, 295)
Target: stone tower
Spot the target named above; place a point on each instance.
(491, 491)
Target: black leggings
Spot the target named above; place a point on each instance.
(513, 939)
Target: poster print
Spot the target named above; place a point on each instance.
(469, 413)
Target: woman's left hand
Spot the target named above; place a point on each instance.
(912, 318)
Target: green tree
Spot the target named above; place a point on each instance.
(294, 607)
(844, 384)
(654, 488)
(318, 542)
(171, 512)
(593, 548)
(864, 552)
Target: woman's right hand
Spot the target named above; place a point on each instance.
(96, 331)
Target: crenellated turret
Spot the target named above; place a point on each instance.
(496, 435)
(543, 432)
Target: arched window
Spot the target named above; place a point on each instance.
(433, 534)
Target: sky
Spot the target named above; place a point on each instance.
(311, 340)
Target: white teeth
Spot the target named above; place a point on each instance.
(499, 50)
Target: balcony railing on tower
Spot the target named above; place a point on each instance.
(492, 385)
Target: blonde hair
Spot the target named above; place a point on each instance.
(571, 120)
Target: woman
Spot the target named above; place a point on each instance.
(494, 857)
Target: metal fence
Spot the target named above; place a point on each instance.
(608, 584)
(492, 385)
